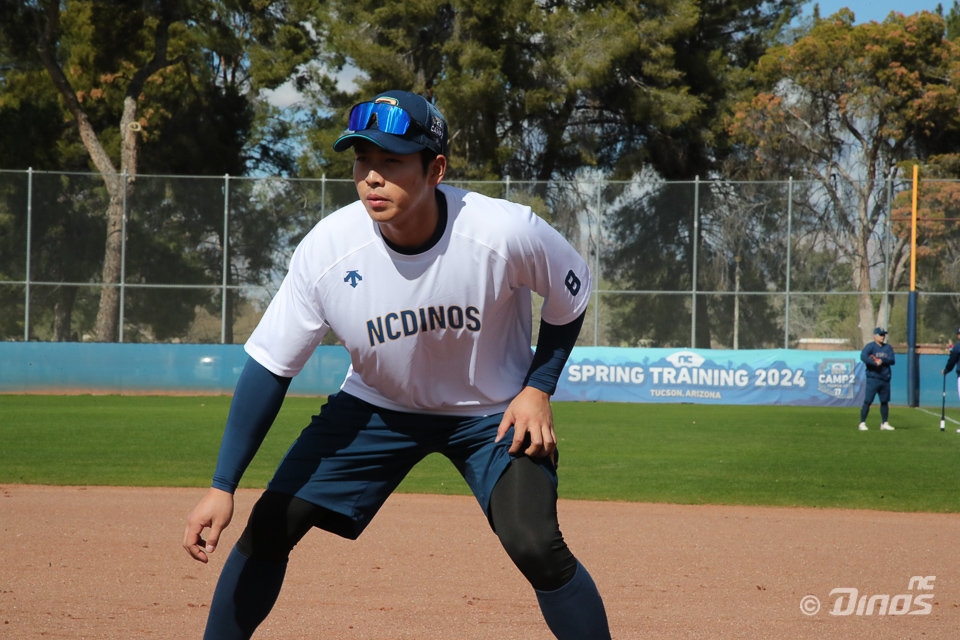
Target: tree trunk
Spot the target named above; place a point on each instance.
(108, 315)
(866, 316)
(63, 314)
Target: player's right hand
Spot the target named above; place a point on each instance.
(214, 511)
(531, 417)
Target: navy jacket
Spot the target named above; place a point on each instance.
(885, 353)
(952, 360)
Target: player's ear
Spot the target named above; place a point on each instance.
(437, 170)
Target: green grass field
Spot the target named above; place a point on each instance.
(687, 454)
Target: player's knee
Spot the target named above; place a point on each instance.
(523, 513)
(542, 557)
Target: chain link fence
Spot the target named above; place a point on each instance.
(678, 264)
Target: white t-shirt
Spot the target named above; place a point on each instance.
(445, 331)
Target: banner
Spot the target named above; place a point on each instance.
(712, 376)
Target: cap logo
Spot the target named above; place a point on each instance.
(392, 101)
(436, 128)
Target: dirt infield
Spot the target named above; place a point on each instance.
(106, 563)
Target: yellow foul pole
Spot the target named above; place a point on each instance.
(913, 359)
(913, 231)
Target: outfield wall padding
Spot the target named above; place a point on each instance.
(65, 367)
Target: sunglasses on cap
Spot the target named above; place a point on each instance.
(389, 118)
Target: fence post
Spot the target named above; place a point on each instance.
(323, 196)
(886, 256)
(736, 303)
(226, 229)
(786, 307)
(26, 309)
(693, 241)
(596, 286)
(123, 255)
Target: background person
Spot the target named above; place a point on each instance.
(878, 357)
(952, 362)
(429, 289)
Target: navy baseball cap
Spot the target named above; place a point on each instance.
(399, 122)
(879, 331)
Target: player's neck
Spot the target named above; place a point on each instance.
(431, 219)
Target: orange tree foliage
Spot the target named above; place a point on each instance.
(938, 221)
(849, 95)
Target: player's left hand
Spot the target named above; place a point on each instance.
(530, 415)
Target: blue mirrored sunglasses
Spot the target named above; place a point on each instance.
(389, 118)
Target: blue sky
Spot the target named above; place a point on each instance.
(878, 10)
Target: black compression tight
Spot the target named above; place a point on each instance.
(523, 512)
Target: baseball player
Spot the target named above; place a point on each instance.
(952, 362)
(429, 289)
(878, 357)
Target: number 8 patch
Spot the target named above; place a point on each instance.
(572, 282)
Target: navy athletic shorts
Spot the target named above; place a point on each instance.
(877, 387)
(354, 454)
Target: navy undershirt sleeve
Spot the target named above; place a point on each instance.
(554, 345)
(256, 402)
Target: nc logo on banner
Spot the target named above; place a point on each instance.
(836, 377)
(685, 359)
